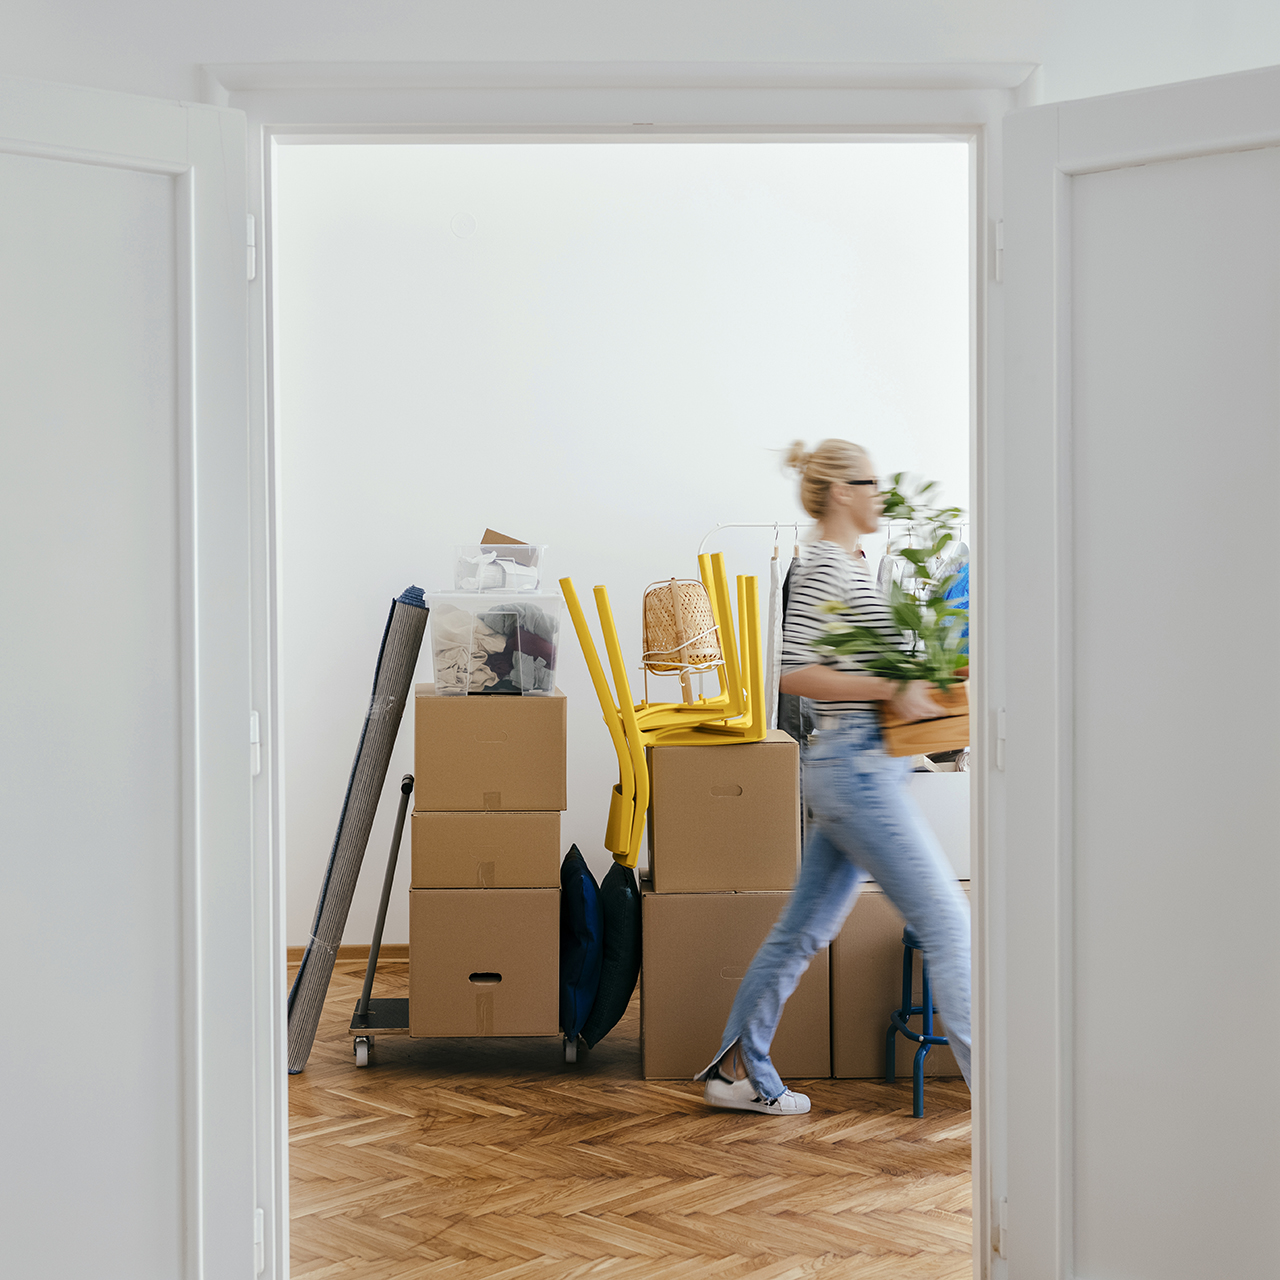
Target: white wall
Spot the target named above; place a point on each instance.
(609, 365)
(1085, 46)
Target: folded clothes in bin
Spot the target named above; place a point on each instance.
(485, 645)
(462, 646)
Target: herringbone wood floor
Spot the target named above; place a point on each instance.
(493, 1159)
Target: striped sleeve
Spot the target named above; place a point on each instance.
(829, 573)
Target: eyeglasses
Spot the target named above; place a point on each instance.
(861, 482)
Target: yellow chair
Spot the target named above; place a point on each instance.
(629, 802)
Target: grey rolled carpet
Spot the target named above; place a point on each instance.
(396, 662)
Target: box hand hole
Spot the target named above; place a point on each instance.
(486, 979)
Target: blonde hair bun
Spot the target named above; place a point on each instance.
(797, 458)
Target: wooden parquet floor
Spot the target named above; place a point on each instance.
(494, 1160)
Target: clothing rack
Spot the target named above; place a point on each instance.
(775, 525)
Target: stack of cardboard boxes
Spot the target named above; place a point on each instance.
(724, 848)
(484, 901)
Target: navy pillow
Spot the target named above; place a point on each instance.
(620, 898)
(581, 929)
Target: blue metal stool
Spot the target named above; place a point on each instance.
(898, 1023)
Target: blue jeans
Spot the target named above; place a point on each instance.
(864, 824)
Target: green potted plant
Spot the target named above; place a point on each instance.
(935, 627)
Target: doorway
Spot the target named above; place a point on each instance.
(600, 345)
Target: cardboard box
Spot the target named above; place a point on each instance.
(484, 962)
(866, 986)
(460, 849)
(944, 800)
(496, 752)
(697, 947)
(725, 817)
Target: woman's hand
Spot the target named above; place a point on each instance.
(914, 702)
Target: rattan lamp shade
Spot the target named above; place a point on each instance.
(679, 630)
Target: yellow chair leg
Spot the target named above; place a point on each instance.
(622, 799)
(630, 727)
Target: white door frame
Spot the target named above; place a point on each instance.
(299, 104)
(1045, 149)
(202, 149)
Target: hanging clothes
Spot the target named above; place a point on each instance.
(952, 564)
(794, 715)
(773, 649)
(885, 574)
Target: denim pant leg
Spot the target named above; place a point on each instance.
(823, 896)
(860, 801)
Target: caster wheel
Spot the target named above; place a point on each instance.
(362, 1046)
(570, 1049)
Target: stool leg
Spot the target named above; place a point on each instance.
(926, 1005)
(904, 1012)
(917, 1082)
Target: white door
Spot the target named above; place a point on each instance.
(1134, 852)
(125, 793)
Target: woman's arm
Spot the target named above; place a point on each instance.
(826, 684)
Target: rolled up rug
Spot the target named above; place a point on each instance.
(397, 658)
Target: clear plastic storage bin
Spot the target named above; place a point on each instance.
(495, 641)
(498, 566)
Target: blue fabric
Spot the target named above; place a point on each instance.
(957, 596)
(865, 824)
(620, 900)
(581, 942)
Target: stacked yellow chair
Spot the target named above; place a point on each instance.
(735, 715)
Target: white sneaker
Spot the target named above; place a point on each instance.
(741, 1095)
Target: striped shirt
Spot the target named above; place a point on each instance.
(829, 572)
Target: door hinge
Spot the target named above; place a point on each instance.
(1000, 739)
(259, 1242)
(255, 746)
(1002, 1227)
(999, 263)
(251, 245)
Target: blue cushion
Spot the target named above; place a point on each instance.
(620, 897)
(581, 933)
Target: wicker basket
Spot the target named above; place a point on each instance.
(921, 737)
(679, 631)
